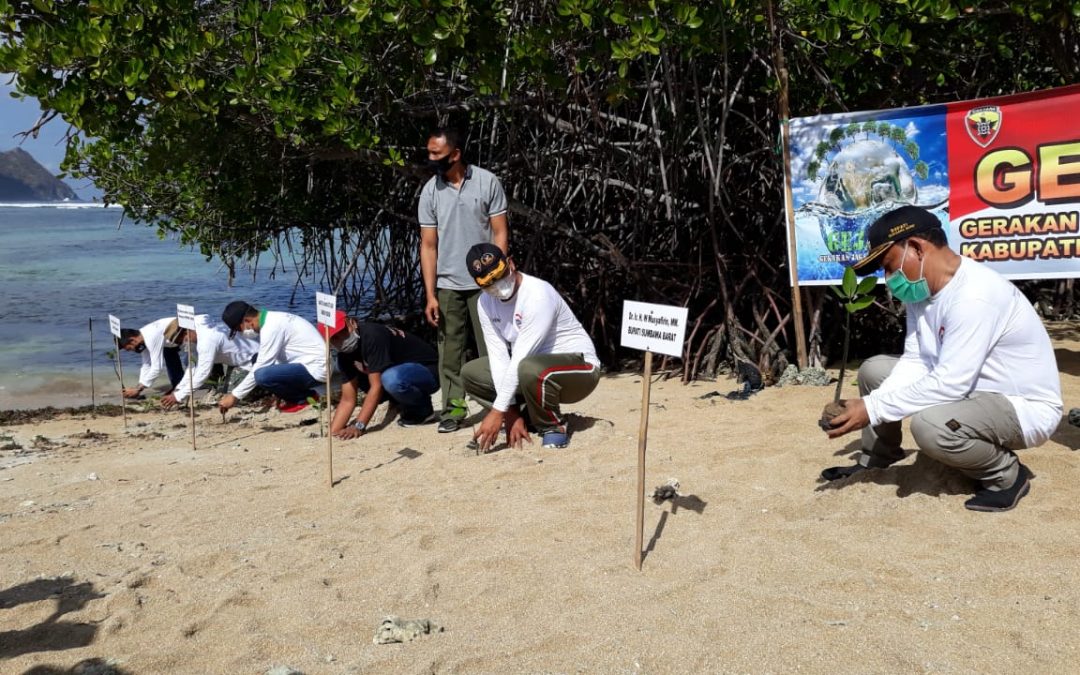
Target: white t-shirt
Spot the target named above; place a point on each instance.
(535, 321)
(286, 338)
(214, 346)
(153, 356)
(978, 333)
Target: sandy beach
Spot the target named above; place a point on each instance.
(128, 547)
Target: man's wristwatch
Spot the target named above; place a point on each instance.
(359, 426)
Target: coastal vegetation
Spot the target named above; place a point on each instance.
(638, 140)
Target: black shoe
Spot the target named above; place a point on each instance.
(838, 472)
(407, 422)
(1002, 500)
(449, 426)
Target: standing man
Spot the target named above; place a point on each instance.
(291, 358)
(460, 206)
(537, 353)
(212, 345)
(157, 354)
(380, 359)
(977, 377)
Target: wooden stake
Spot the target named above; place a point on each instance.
(93, 391)
(329, 416)
(793, 253)
(120, 370)
(643, 435)
(191, 389)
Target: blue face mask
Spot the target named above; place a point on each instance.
(905, 290)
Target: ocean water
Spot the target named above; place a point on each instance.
(63, 265)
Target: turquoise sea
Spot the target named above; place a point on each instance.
(62, 266)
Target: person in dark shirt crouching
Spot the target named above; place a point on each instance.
(381, 360)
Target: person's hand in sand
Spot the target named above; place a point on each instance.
(517, 432)
(853, 418)
(348, 433)
(133, 392)
(488, 431)
(227, 401)
(168, 401)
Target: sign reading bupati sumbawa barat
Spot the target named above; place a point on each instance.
(1002, 174)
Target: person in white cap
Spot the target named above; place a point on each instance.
(212, 346)
(291, 359)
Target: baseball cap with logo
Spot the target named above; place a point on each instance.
(893, 227)
(487, 264)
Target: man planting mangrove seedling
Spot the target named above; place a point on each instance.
(212, 346)
(538, 353)
(291, 359)
(157, 353)
(380, 360)
(460, 206)
(977, 376)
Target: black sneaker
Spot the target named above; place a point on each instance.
(1002, 500)
(449, 426)
(838, 472)
(408, 422)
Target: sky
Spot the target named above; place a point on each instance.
(48, 148)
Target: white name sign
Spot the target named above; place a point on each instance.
(653, 328)
(114, 326)
(326, 308)
(185, 316)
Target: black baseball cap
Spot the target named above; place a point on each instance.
(893, 227)
(234, 315)
(486, 263)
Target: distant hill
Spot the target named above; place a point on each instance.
(22, 179)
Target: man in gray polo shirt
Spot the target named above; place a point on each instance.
(462, 205)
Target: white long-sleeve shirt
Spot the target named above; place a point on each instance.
(153, 356)
(978, 333)
(214, 346)
(535, 321)
(286, 338)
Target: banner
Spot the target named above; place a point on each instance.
(1002, 174)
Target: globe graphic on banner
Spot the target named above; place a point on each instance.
(863, 176)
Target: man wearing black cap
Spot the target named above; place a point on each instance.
(291, 359)
(538, 353)
(381, 360)
(977, 377)
(157, 354)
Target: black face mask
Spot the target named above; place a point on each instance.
(140, 348)
(440, 166)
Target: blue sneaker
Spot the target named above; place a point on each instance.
(556, 439)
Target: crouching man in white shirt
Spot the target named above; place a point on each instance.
(538, 353)
(212, 346)
(157, 354)
(978, 377)
(291, 359)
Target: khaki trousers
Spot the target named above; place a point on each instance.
(976, 434)
(544, 382)
(458, 322)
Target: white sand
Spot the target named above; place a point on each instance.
(238, 557)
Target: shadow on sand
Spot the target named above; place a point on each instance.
(51, 634)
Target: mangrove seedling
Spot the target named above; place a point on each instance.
(856, 296)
